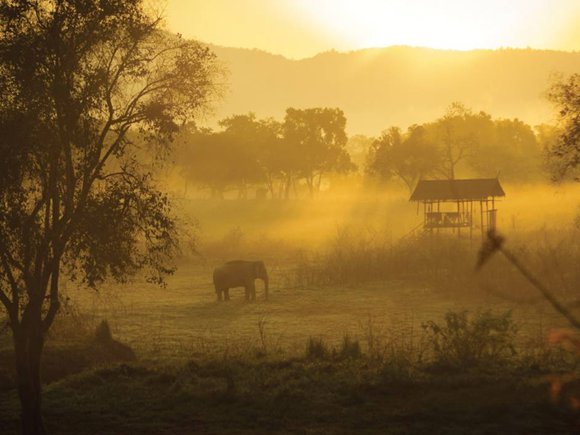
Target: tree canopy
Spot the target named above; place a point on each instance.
(461, 143)
(564, 155)
(308, 145)
(409, 157)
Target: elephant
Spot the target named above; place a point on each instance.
(239, 273)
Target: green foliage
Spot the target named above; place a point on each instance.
(510, 149)
(564, 155)
(86, 98)
(234, 158)
(465, 341)
(307, 146)
(408, 157)
(317, 139)
(459, 144)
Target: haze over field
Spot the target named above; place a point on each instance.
(377, 88)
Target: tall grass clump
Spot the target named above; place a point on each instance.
(350, 348)
(463, 341)
(317, 349)
(355, 256)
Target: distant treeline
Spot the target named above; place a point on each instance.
(309, 148)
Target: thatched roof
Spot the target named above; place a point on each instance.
(457, 190)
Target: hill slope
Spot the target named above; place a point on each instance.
(381, 87)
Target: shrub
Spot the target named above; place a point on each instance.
(350, 348)
(465, 341)
(316, 348)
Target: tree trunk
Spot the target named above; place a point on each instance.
(271, 188)
(287, 187)
(28, 345)
(310, 184)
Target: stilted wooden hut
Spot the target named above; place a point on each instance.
(458, 204)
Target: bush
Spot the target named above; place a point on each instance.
(465, 341)
(350, 349)
(316, 348)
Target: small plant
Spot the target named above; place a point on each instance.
(262, 331)
(316, 348)
(465, 341)
(350, 348)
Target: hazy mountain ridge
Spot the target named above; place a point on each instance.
(380, 87)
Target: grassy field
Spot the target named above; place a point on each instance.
(237, 367)
(184, 320)
(240, 367)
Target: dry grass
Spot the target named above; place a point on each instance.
(337, 277)
(183, 321)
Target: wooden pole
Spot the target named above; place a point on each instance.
(471, 221)
(481, 219)
(458, 222)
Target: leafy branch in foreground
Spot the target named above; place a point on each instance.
(496, 243)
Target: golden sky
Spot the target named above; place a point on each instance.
(302, 28)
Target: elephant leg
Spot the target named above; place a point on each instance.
(227, 294)
(252, 292)
(219, 294)
(247, 292)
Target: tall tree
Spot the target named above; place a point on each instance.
(240, 155)
(316, 141)
(77, 76)
(508, 147)
(565, 153)
(251, 138)
(208, 159)
(409, 156)
(458, 133)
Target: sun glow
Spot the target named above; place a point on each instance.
(446, 24)
(303, 28)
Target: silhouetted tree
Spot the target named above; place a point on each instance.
(76, 77)
(548, 137)
(458, 133)
(408, 157)
(271, 156)
(358, 147)
(238, 156)
(565, 153)
(209, 159)
(508, 147)
(255, 140)
(315, 142)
